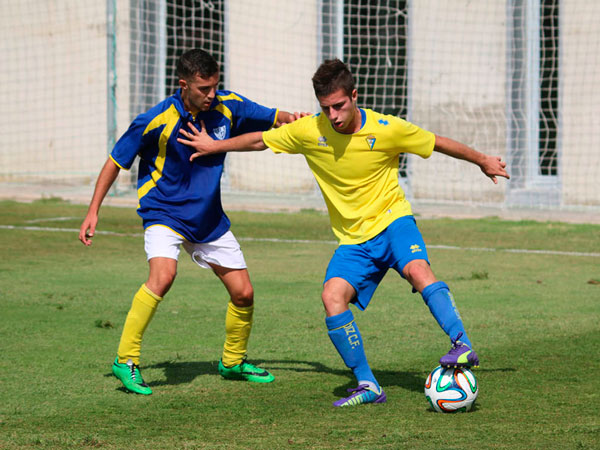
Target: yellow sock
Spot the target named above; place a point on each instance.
(142, 310)
(238, 324)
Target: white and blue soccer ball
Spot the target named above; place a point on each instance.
(450, 390)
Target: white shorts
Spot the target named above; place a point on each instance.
(161, 241)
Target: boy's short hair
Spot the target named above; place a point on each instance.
(332, 75)
(196, 62)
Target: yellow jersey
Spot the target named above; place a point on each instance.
(357, 173)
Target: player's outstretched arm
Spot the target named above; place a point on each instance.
(107, 176)
(491, 166)
(203, 144)
(284, 117)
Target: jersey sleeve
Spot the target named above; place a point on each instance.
(131, 143)
(250, 117)
(287, 138)
(410, 138)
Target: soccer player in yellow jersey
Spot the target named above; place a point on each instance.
(353, 154)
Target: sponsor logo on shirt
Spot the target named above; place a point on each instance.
(415, 248)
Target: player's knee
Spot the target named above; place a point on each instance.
(333, 301)
(243, 297)
(167, 278)
(161, 282)
(418, 274)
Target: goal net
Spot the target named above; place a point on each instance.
(513, 78)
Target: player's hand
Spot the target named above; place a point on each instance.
(286, 117)
(198, 140)
(87, 229)
(299, 115)
(493, 166)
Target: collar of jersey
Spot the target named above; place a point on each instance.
(363, 120)
(178, 102)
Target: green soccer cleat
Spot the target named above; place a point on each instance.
(245, 371)
(131, 377)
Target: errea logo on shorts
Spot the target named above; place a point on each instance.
(415, 248)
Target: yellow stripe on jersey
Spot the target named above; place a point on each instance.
(116, 163)
(225, 111)
(168, 228)
(230, 96)
(357, 173)
(168, 118)
(275, 119)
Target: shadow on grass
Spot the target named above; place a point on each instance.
(184, 372)
(409, 380)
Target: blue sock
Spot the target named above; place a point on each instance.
(347, 340)
(438, 298)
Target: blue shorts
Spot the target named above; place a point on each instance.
(364, 265)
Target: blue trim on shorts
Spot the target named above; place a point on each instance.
(364, 265)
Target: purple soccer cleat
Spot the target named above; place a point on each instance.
(361, 394)
(460, 355)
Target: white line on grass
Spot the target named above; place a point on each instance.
(52, 219)
(66, 230)
(309, 241)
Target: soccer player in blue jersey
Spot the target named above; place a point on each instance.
(353, 154)
(180, 205)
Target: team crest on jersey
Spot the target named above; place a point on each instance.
(220, 132)
(371, 141)
(322, 141)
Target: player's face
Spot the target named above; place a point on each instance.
(198, 93)
(340, 109)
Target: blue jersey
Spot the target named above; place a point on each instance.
(182, 195)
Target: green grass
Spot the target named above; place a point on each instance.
(532, 316)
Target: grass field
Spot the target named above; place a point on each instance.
(529, 294)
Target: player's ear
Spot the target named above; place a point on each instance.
(354, 96)
(183, 84)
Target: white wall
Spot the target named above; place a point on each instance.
(272, 55)
(52, 89)
(580, 116)
(458, 76)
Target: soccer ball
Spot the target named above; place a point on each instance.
(451, 390)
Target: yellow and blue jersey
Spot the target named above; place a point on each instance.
(357, 173)
(182, 195)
